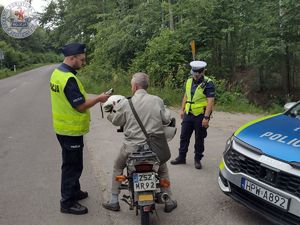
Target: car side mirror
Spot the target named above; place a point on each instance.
(289, 105)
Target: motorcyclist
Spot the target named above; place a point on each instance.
(153, 115)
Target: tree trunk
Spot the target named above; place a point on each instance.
(261, 79)
(162, 15)
(288, 71)
(172, 25)
(287, 77)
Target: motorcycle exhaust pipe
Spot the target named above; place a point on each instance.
(164, 197)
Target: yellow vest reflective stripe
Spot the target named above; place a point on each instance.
(67, 120)
(197, 104)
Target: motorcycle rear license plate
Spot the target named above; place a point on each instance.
(144, 182)
(145, 197)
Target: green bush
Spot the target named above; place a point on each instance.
(4, 73)
(99, 78)
(161, 59)
(13, 56)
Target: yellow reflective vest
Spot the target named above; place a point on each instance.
(197, 104)
(67, 120)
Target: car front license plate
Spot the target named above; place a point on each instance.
(144, 181)
(265, 194)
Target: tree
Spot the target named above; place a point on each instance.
(253, 41)
(161, 59)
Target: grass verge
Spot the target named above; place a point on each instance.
(7, 73)
(173, 97)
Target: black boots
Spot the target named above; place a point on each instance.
(178, 160)
(198, 164)
(82, 195)
(75, 208)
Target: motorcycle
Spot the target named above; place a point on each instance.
(143, 183)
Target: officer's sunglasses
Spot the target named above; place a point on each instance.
(198, 70)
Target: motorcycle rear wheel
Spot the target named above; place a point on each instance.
(145, 219)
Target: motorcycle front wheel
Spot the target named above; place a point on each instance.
(145, 219)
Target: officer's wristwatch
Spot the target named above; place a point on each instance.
(206, 117)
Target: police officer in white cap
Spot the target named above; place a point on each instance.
(195, 112)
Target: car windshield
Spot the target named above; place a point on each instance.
(294, 111)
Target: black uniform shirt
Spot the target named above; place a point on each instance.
(72, 92)
(209, 88)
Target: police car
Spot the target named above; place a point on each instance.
(260, 167)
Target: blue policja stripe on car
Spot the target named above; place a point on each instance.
(277, 136)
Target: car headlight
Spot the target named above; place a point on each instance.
(228, 144)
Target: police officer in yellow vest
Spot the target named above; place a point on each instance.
(195, 112)
(71, 117)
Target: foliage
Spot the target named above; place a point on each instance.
(252, 47)
(69, 21)
(14, 56)
(25, 52)
(161, 58)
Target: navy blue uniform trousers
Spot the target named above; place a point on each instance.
(71, 169)
(189, 124)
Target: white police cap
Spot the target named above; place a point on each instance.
(197, 65)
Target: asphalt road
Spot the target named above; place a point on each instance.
(30, 160)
